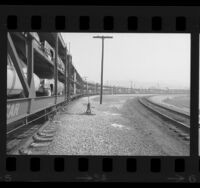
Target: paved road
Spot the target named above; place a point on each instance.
(120, 126)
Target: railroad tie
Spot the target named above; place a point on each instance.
(45, 135)
(23, 151)
(49, 131)
(31, 152)
(39, 139)
(57, 122)
(39, 145)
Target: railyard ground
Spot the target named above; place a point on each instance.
(120, 126)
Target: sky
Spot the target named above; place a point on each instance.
(148, 60)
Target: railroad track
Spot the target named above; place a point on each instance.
(18, 136)
(24, 124)
(33, 137)
(19, 133)
(180, 122)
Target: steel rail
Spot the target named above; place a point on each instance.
(169, 109)
(181, 125)
(17, 128)
(41, 116)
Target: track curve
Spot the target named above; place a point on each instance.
(177, 119)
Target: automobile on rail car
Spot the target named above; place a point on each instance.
(43, 87)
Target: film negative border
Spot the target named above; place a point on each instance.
(103, 19)
(109, 168)
(130, 24)
(108, 24)
(131, 19)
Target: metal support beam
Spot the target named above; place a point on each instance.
(56, 68)
(30, 71)
(82, 86)
(68, 77)
(16, 61)
(30, 68)
(65, 82)
(75, 82)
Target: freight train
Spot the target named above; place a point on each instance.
(43, 86)
(37, 82)
(14, 86)
(40, 77)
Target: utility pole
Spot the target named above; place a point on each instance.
(102, 38)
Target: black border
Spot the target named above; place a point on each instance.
(95, 171)
(105, 2)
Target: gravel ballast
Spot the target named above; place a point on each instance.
(120, 126)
